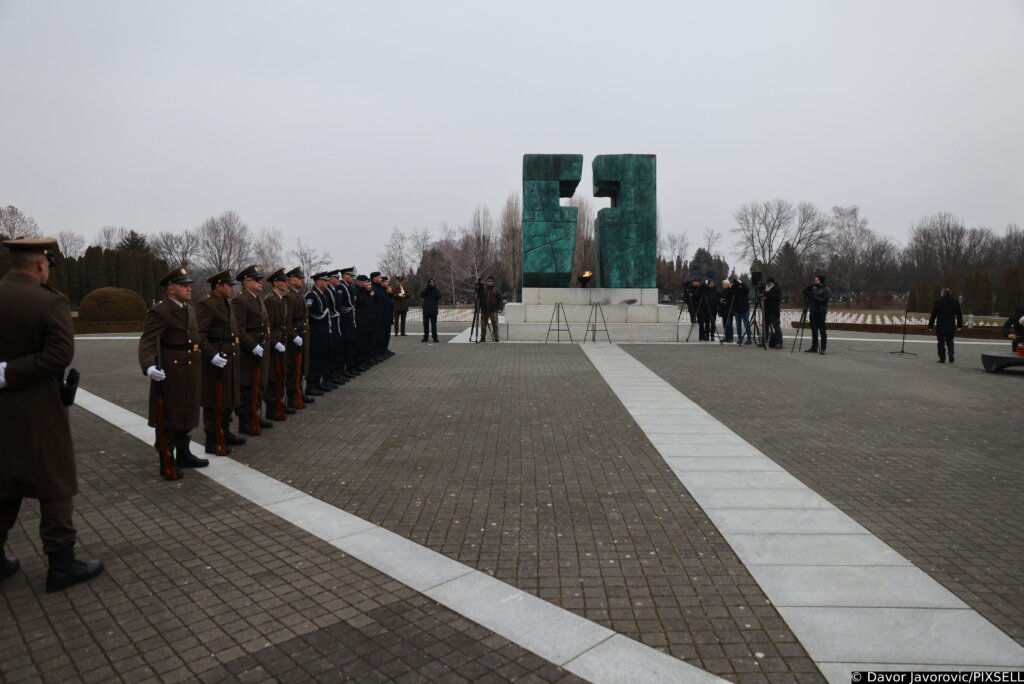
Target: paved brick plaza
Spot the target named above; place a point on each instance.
(521, 462)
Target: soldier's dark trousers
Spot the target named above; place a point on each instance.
(400, 322)
(210, 419)
(429, 324)
(55, 525)
(289, 374)
(818, 330)
(945, 342)
(244, 407)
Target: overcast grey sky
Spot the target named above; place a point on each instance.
(338, 121)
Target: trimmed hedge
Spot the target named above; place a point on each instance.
(111, 304)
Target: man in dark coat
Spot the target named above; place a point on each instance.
(773, 312)
(346, 304)
(946, 318)
(490, 304)
(1013, 328)
(218, 336)
(381, 319)
(169, 355)
(401, 297)
(725, 309)
(818, 295)
(364, 323)
(319, 335)
(337, 356)
(279, 321)
(431, 296)
(387, 315)
(38, 460)
(253, 324)
(741, 310)
(707, 311)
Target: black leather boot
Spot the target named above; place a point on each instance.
(230, 438)
(66, 570)
(265, 424)
(184, 458)
(8, 565)
(244, 422)
(211, 443)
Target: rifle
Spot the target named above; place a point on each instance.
(166, 463)
(279, 388)
(222, 447)
(298, 379)
(254, 393)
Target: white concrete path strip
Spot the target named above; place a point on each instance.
(582, 647)
(852, 601)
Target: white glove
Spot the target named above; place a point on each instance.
(3, 374)
(297, 341)
(258, 350)
(156, 374)
(219, 360)
(279, 347)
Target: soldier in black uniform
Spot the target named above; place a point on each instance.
(388, 315)
(319, 334)
(346, 305)
(364, 324)
(332, 378)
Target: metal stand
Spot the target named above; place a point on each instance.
(803, 320)
(702, 304)
(903, 344)
(592, 326)
(474, 327)
(557, 319)
(760, 340)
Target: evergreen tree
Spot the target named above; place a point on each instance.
(978, 296)
(1011, 294)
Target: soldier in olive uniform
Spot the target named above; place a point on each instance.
(169, 355)
(300, 328)
(279, 319)
(252, 322)
(38, 460)
(219, 339)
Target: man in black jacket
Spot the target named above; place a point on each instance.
(773, 312)
(430, 296)
(708, 310)
(818, 295)
(741, 310)
(1013, 328)
(950, 318)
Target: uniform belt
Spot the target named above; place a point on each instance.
(254, 328)
(278, 328)
(179, 347)
(298, 321)
(221, 340)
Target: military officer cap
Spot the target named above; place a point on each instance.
(400, 278)
(336, 273)
(489, 278)
(251, 273)
(178, 276)
(374, 274)
(279, 274)
(222, 278)
(384, 277)
(320, 276)
(296, 273)
(45, 246)
(351, 270)
(362, 277)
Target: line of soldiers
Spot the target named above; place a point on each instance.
(256, 356)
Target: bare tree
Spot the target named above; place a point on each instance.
(711, 238)
(175, 248)
(395, 259)
(762, 228)
(941, 243)
(224, 243)
(268, 250)
(70, 243)
(109, 237)
(309, 259)
(420, 241)
(15, 225)
(677, 246)
(848, 243)
(510, 242)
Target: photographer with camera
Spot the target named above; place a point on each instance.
(816, 296)
(773, 312)
(725, 309)
(707, 308)
(741, 309)
(691, 288)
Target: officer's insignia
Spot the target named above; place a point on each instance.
(181, 271)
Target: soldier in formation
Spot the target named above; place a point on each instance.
(258, 356)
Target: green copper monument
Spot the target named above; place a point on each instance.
(549, 229)
(626, 235)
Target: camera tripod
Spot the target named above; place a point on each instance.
(803, 319)
(755, 326)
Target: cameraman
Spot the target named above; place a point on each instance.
(817, 295)
(691, 291)
(741, 309)
(773, 312)
(725, 309)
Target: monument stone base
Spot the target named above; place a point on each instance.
(631, 314)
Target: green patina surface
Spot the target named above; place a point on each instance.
(549, 229)
(626, 235)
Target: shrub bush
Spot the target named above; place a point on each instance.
(112, 304)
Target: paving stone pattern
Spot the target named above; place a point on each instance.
(925, 456)
(202, 585)
(519, 461)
